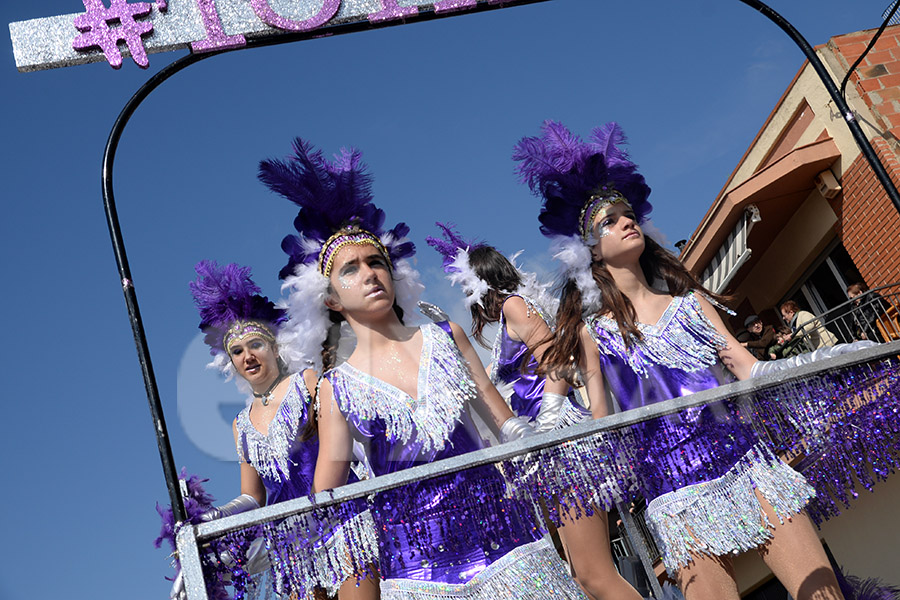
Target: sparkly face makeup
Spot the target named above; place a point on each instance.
(361, 278)
(614, 230)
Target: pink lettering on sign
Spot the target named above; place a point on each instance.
(444, 6)
(270, 17)
(104, 28)
(392, 10)
(216, 38)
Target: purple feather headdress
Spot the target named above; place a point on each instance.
(576, 179)
(455, 252)
(231, 306)
(336, 209)
(568, 173)
(334, 197)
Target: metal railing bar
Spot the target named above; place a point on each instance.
(511, 450)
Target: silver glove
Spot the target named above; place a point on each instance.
(552, 406)
(515, 428)
(242, 503)
(771, 366)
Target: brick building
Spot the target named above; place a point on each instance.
(802, 216)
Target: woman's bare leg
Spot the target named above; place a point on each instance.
(586, 541)
(796, 557)
(708, 578)
(366, 589)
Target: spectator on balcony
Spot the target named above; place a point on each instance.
(762, 337)
(867, 308)
(784, 346)
(806, 325)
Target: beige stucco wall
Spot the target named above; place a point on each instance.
(810, 88)
(803, 239)
(865, 540)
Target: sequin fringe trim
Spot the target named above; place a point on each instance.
(724, 516)
(571, 414)
(302, 561)
(444, 386)
(530, 572)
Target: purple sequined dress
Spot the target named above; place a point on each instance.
(286, 465)
(454, 536)
(698, 470)
(523, 388)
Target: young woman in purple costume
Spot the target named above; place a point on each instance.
(638, 322)
(498, 292)
(403, 396)
(276, 446)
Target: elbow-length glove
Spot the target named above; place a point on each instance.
(552, 406)
(515, 428)
(771, 366)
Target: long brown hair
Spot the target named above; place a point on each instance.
(502, 277)
(656, 262)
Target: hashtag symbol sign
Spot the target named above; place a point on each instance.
(105, 27)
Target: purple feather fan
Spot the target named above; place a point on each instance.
(227, 294)
(331, 195)
(566, 171)
(197, 502)
(450, 245)
(856, 588)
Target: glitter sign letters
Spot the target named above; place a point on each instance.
(110, 28)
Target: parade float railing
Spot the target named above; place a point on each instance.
(871, 316)
(844, 411)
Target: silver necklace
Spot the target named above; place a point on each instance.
(267, 395)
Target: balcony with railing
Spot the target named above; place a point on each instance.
(872, 316)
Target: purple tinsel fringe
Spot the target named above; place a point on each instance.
(844, 423)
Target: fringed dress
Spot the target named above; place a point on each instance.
(698, 470)
(286, 465)
(524, 388)
(453, 536)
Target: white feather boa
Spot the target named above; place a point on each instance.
(300, 339)
(473, 286)
(576, 258)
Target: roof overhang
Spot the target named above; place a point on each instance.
(778, 190)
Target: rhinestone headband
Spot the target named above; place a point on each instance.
(603, 198)
(348, 237)
(241, 330)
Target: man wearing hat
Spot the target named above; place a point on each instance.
(761, 337)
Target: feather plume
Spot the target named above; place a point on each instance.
(450, 245)
(607, 140)
(331, 195)
(565, 171)
(454, 249)
(227, 294)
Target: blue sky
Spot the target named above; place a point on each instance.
(435, 107)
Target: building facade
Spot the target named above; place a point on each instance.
(801, 217)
